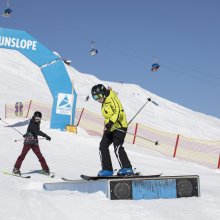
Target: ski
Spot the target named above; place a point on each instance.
(50, 176)
(27, 177)
(12, 174)
(65, 179)
(136, 176)
(41, 172)
(85, 177)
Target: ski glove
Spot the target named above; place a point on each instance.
(109, 125)
(48, 138)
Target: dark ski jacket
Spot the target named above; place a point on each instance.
(33, 131)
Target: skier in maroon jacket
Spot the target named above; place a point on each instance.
(31, 142)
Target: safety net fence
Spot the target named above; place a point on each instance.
(206, 153)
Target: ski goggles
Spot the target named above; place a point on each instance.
(98, 97)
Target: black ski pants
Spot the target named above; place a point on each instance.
(117, 138)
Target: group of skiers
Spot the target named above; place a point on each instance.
(114, 133)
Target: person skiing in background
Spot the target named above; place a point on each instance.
(114, 120)
(31, 142)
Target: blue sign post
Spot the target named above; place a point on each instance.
(53, 69)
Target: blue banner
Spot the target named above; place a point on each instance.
(61, 89)
(53, 69)
(27, 45)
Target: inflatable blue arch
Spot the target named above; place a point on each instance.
(53, 69)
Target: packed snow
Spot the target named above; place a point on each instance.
(70, 155)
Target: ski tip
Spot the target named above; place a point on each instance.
(66, 179)
(12, 174)
(83, 176)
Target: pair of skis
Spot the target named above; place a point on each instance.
(135, 176)
(25, 176)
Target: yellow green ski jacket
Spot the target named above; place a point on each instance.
(112, 110)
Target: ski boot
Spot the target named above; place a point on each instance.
(45, 172)
(16, 171)
(105, 173)
(125, 172)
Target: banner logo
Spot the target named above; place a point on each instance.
(64, 104)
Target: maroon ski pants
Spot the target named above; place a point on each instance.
(36, 150)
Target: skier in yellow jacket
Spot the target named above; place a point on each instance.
(115, 120)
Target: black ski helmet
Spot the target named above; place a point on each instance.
(38, 114)
(99, 90)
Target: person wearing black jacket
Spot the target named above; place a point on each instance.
(31, 142)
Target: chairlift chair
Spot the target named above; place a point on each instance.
(7, 12)
(93, 52)
(155, 67)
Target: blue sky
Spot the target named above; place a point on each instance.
(183, 35)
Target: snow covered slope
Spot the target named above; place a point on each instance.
(21, 80)
(70, 155)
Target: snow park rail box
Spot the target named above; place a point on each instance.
(163, 187)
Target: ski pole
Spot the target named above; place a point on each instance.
(16, 140)
(148, 100)
(155, 142)
(11, 127)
